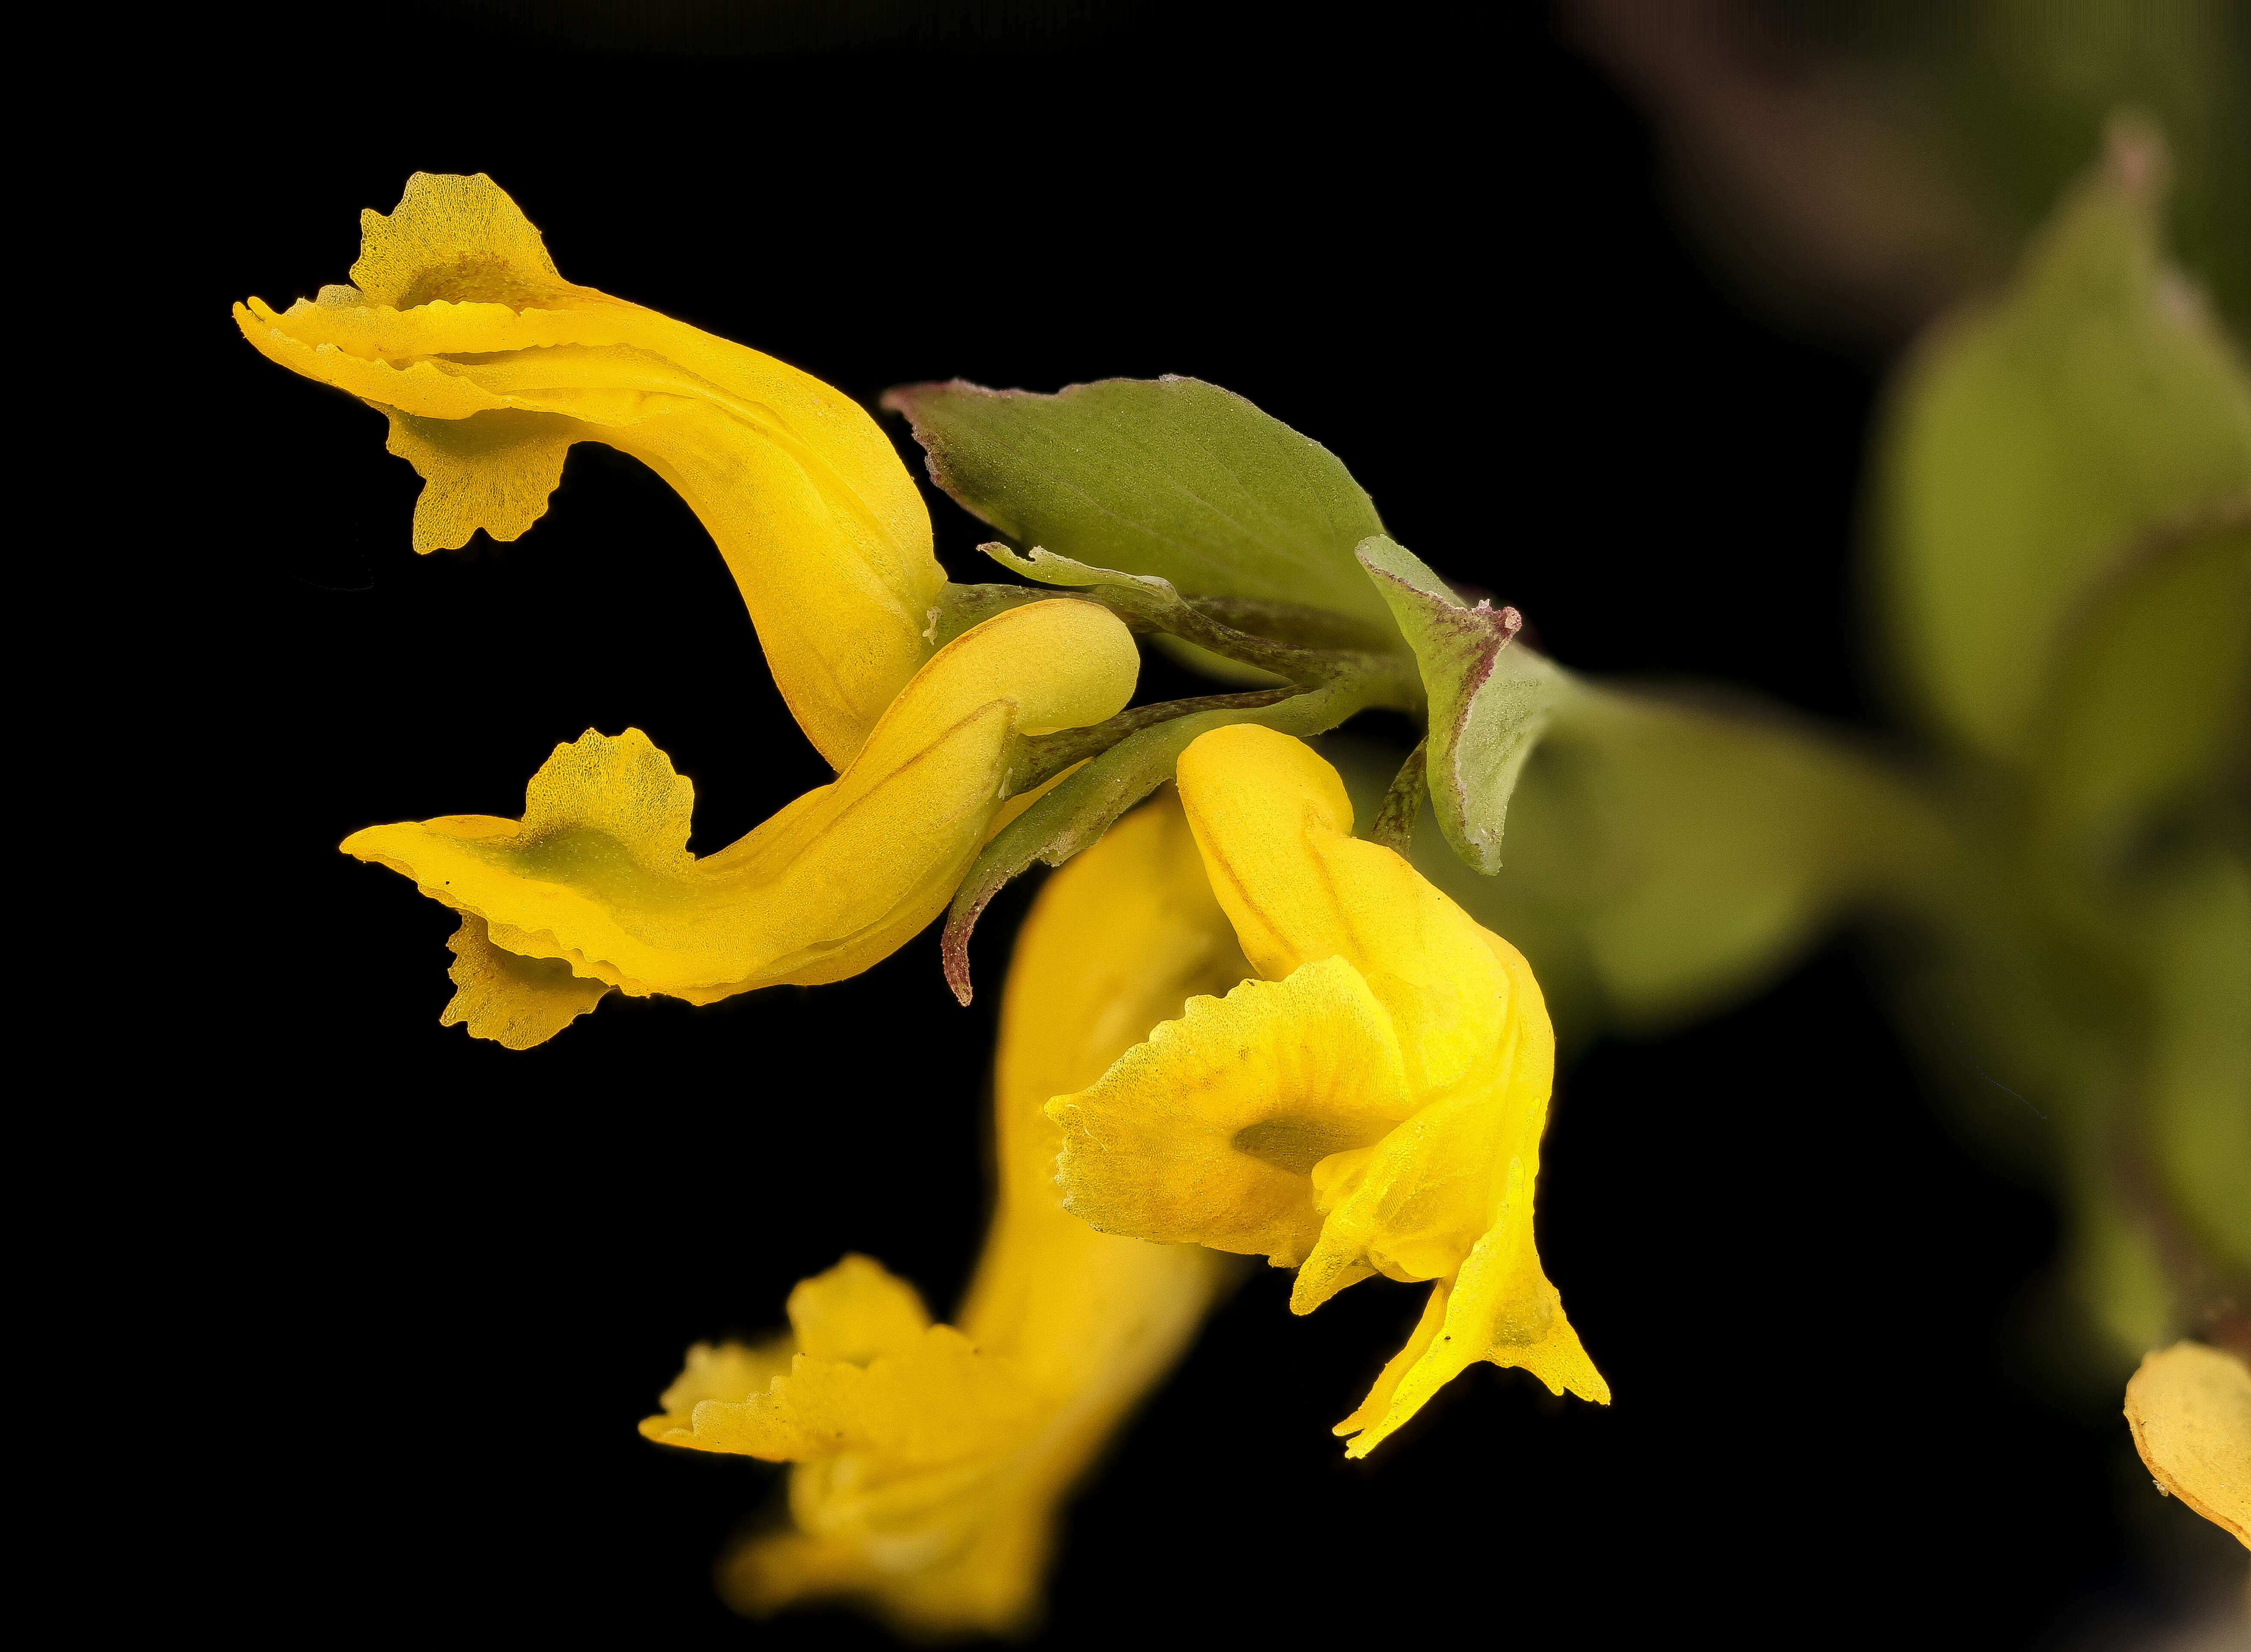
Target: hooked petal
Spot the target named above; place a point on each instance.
(597, 873)
(490, 365)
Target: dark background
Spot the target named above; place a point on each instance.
(427, 1285)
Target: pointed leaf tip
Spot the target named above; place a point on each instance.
(1488, 703)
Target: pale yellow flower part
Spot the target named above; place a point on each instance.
(490, 365)
(598, 876)
(1373, 1106)
(2190, 1409)
(930, 1461)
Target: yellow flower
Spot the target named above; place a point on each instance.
(931, 1460)
(594, 887)
(1374, 1105)
(490, 365)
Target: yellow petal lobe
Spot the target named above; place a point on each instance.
(2190, 1409)
(1206, 1133)
(514, 1001)
(857, 1311)
(596, 873)
(453, 237)
(490, 364)
(729, 1371)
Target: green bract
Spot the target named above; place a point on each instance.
(1488, 700)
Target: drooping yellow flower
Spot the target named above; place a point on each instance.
(931, 1460)
(594, 887)
(1374, 1105)
(490, 365)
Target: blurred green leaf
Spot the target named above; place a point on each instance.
(1172, 477)
(1488, 701)
(2006, 96)
(2199, 1085)
(2035, 440)
(2151, 701)
(1666, 857)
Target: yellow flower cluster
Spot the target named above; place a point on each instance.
(1229, 1025)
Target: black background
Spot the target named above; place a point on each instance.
(426, 1286)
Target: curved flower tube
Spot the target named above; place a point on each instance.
(1374, 1105)
(931, 1460)
(490, 365)
(594, 887)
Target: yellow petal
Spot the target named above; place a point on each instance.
(935, 1402)
(1116, 942)
(2190, 1409)
(729, 1371)
(1206, 1133)
(1387, 1380)
(871, 1375)
(494, 472)
(490, 365)
(514, 1001)
(857, 1311)
(1275, 827)
(596, 873)
(1413, 1206)
(1500, 1308)
(457, 237)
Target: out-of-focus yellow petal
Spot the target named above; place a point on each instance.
(596, 873)
(2190, 1409)
(873, 1377)
(1410, 1047)
(1118, 942)
(514, 1001)
(857, 1311)
(919, 1488)
(1206, 1133)
(490, 365)
(728, 1371)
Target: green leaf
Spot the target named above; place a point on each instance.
(1171, 477)
(1488, 701)
(2152, 699)
(2032, 440)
